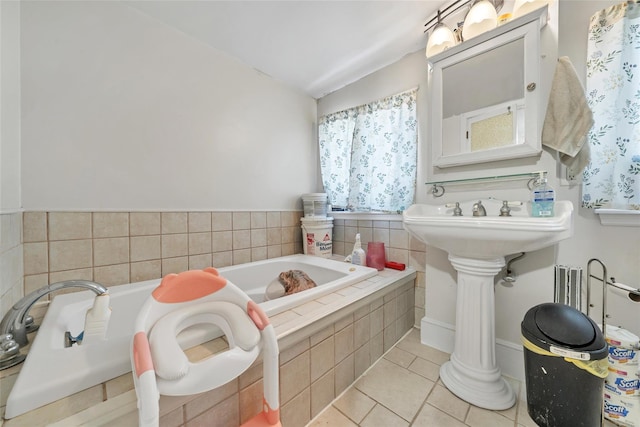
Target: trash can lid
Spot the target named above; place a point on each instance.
(560, 325)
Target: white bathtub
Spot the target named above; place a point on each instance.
(52, 371)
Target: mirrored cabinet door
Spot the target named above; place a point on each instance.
(484, 98)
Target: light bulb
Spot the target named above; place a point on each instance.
(441, 39)
(482, 17)
(522, 7)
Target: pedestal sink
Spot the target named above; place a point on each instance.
(477, 247)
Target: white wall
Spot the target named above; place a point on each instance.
(9, 106)
(617, 247)
(11, 259)
(120, 112)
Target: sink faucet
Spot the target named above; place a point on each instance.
(478, 209)
(15, 321)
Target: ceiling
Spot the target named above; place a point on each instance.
(316, 46)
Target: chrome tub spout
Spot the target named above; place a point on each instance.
(16, 320)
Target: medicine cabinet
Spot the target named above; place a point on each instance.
(484, 95)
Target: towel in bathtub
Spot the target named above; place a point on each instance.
(289, 282)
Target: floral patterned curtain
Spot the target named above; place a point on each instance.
(368, 154)
(612, 179)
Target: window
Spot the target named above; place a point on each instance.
(368, 154)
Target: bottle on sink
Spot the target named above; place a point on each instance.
(543, 198)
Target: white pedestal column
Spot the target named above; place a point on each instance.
(472, 373)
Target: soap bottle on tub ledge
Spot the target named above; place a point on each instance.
(543, 198)
(358, 256)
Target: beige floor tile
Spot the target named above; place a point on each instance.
(412, 344)
(510, 413)
(397, 388)
(433, 417)
(427, 369)
(523, 417)
(394, 390)
(448, 402)
(331, 417)
(479, 417)
(400, 357)
(355, 404)
(381, 416)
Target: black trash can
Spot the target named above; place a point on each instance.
(565, 360)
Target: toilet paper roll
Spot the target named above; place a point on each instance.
(624, 349)
(622, 385)
(625, 291)
(622, 410)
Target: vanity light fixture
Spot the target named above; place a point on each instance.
(482, 17)
(522, 7)
(441, 39)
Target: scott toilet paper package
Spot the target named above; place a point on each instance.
(623, 410)
(624, 349)
(622, 385)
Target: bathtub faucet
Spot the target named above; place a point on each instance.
(16, 321)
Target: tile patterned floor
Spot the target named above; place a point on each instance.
(403, 389)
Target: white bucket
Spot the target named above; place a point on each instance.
(317, 236)
(315, 205)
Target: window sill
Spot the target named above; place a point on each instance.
(619, 217)
(372, 216)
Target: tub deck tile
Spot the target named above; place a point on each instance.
(307, 308)
(329, 298)
(349, 290)
(284, 317)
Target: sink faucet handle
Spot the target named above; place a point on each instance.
(505, 210)
(457, 211)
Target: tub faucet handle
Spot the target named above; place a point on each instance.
(457, 211)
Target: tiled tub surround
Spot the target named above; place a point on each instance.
(11, 287)
(115, 248)
(324, 344)
(399, 246)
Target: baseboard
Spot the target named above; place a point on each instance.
(440, 335)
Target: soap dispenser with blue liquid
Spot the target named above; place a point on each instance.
(543, 198)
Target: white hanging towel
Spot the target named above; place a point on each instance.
(568, 118)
